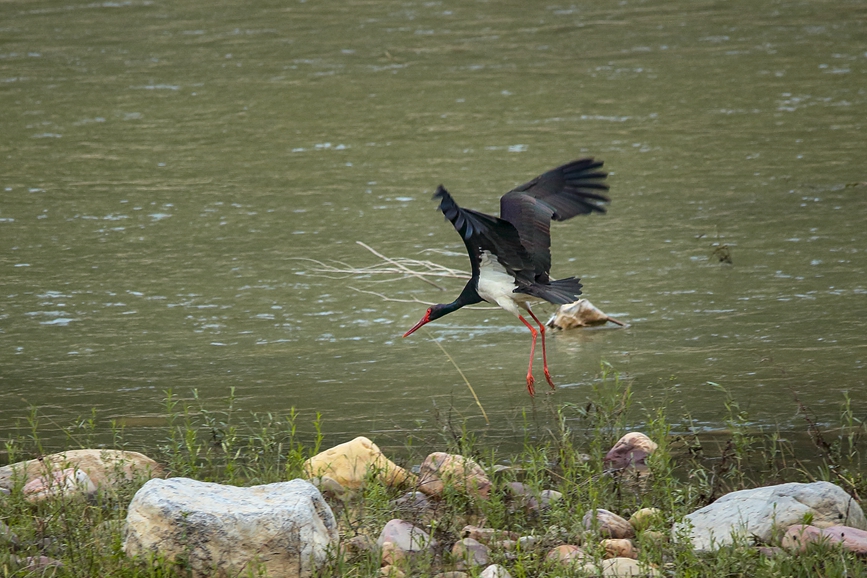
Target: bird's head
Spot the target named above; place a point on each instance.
(433, 312)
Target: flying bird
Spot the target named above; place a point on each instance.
(511, 255)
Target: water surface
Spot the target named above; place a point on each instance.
(166, 164)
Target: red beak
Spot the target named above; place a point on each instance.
(424, 320)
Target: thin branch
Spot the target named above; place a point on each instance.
(395, 263)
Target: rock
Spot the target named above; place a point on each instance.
(799, 537)
(58, 484)
(495, 571)
(487, 536)
(619, 548)
(391, 572)
(39, 564)
(527, 542)
(757, 512)
(565, 554)
(579, 313)
(452, 575)
(471, 552)
(358, 545)
(405, 537)
(631, 449)
(103, 467)
(548, 497)
(608, 524)
(654, 537)
(391, 555)
(462, 473)
(415, 503)
(351, 462)
(286, 528)
(616, 567)
(330, 488)
(8, 539)
(645, 518)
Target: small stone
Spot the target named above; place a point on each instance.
(619, 548)
(654, 537)
(608, 524)
(631, 449)
(8, 539)
(644, 518)
(799, 537)
(329, 487)
(527, 542)
(619, 567)
(59, 483)
(390, 554)
(487, 535)
(471, 552)
(439, 469)
(358, 544)
(495, 571)
(566, 554)
(548, 497)
(413, 502)
(404, 536)
(505, 545)
(391, 572)
(350, 463)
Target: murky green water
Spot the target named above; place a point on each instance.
(164, 164)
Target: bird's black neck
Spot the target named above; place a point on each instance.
(469, 296)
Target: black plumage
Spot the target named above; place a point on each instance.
(520, 238)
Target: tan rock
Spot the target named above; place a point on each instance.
(487, 536)
(619, 548)
(59, 483)
(579, 313)
(471, 552)
(391, 554)
(800, 536)
(391, 572)
(495, 571)
(350, 463)
(566, 554)
(631, 449)
(608, 524)
(644, 518)
(439, 469)
(103, 467)
(618, 568)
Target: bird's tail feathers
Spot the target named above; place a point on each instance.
(559, 292)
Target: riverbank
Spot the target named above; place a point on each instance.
(539, 506)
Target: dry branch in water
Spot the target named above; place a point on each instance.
(394, 267)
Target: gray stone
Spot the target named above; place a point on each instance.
(404, 536)
(284, 529)
(495, 571)
(756, 512)
(608, 524)
(471, 552)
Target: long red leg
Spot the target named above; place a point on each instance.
(544, 356)
(530, 379)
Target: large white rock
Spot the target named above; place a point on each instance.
(285, 529)
(756, 512)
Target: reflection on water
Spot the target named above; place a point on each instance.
(160, 180)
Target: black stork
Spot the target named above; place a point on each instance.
(511, 255)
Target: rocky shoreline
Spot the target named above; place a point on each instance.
(301, 527)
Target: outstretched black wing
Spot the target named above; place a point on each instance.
(482, 232)
(572, 189)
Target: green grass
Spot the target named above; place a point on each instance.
(241, 448)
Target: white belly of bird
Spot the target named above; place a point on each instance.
(497, 286)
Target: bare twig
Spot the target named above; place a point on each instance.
(399, 266)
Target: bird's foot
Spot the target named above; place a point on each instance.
(550, 381)
(530, 381)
